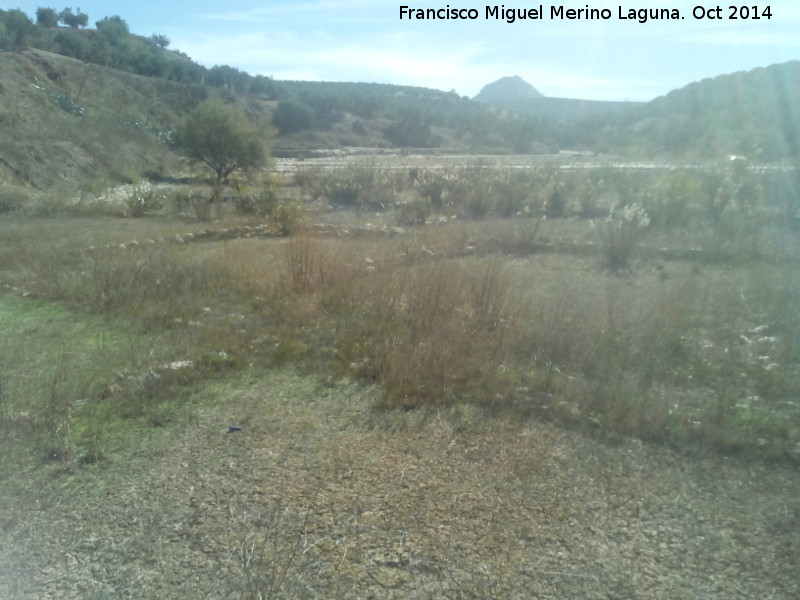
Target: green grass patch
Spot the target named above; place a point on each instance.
(68, 375)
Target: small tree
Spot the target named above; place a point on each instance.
(16, 29)
(160, 40)
(222, 137)
(47, 17)
(74, 20)
(114, 29)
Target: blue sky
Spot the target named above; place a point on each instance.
(365, 40)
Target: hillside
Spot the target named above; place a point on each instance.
(93, 107)
(64, 121)
(565, 109)
(753, 113)
(328, 114)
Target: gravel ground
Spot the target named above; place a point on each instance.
(317, 496)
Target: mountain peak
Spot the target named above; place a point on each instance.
(508, 88)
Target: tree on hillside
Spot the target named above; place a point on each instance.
(223, 138)
(16, 29)
(73, 19)
(113, 43)
(228, 78)
(160, 40)
(47, 17)
(114, 29)
(292, 116)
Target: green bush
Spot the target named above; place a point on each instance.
(292, 116)
(668, 201)
(514, 190)
(67, 104)
(738, 211)
(362, 185)
(256, 198)
(289, 216)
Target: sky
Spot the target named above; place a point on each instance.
(366, 41)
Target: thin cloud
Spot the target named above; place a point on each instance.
(344, 9)
(611, 60)
(404, 59)
(744, 38)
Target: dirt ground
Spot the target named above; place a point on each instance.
(316, 495)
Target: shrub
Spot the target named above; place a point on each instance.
(513, 190)
(528, 227)
(619, 234)
(67, 104)
(736, 206)
(356, 186)
(669, 200)
(141, 201)
(289, 216)
(587, 193)
(432, 185)
(203, 209)
(256, 199)
(413, 210)
(431, 334)
(477, 201)
(11, 198)
(311, 181)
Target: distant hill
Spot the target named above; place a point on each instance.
(754, 113)
(506, 89)
(517, 95)
(749, 113)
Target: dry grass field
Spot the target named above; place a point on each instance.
(369, 379)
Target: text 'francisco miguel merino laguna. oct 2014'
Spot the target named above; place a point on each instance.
(586, 13)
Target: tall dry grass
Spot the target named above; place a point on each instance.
(482, 313)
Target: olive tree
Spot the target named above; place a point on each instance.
(73, 19)
(223, 138)
(160, 40)
(47, 17)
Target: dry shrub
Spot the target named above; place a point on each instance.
(429, 333)
(620, 233)
(433, 333)
(304, 263)
(321, 268)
